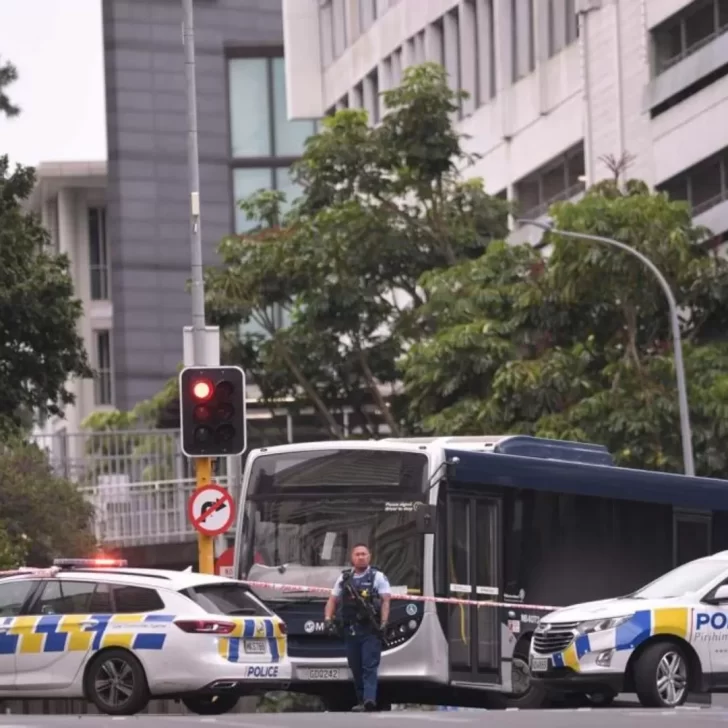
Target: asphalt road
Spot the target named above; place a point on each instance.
(581, 718)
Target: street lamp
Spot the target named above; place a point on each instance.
(682, 394)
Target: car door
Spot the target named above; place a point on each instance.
(59, 633)
(14, 595)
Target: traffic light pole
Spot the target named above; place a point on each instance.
(203, 466)
(205, 544)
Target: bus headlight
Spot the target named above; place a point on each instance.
(600, 625)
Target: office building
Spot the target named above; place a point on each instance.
(245, 142)
(555, 86)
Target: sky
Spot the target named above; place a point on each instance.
(57, 47)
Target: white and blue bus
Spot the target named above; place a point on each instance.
(513, 519)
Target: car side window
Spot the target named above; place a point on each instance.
(135, 599)
(65, 597)
(14, 594)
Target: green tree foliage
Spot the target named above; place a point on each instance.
(380, 207)
(118, 439)
(576, 344)
(42, 516)
(39, 344)
(8, 75)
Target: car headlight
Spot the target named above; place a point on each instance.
(600, 625)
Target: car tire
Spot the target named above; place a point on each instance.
(210, 704)
(662, 676)
(116, 684)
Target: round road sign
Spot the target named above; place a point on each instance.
(211, 510)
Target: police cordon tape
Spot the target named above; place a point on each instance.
(53, 571)
(407, 597)
(25, 570)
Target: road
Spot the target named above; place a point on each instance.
(581, 718)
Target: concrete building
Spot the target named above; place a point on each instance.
(70, 198)
(245, 141)
(555, 85)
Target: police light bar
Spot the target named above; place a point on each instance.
(90, 563)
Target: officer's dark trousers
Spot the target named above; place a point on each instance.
(363, 653)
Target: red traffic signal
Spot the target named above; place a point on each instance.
(202, 389)
(212, 411)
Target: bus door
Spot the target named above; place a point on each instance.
(474, 573)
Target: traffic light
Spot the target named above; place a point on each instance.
(212, 411)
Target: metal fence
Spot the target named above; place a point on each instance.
(138, 482)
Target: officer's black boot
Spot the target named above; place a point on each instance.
(370, 706)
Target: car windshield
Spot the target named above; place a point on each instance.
(685, 579)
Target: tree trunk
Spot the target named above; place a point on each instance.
(318, 403)
(374, 389)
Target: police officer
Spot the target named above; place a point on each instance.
(362, 633)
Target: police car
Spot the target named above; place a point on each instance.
(120, 636)
(662, 642)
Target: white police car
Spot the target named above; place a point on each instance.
(121, 636)
(661, 642)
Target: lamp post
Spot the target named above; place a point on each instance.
(682, 394)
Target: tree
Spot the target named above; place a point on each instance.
(39, 344)
(42, 516)
(8, 75)
(380, 206)
(576, 344)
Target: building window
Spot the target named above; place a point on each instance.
(98, 254)
(523, 39)
(367, 14)
(263, 140)
(704, 185)
(561, 179)
(687, 32)
(102, 389)
(563, 24)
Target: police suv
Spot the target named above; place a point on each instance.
(118, 637)
(663, 641)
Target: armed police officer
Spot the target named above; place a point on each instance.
(363, 594)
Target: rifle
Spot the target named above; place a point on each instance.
(365, 607)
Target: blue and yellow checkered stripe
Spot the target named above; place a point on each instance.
(79, 633)
(255, 628)
(643, 625)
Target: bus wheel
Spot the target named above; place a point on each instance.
(338, 703)
(601, 699)
(526, 694)
(661, 676)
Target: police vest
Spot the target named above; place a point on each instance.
(363, 585)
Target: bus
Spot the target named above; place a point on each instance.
(518, 521)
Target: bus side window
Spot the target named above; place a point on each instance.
(691, 535)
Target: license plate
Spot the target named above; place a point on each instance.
(254, 647)
(539, 664)
(323, 673)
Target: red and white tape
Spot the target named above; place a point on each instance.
(406, 597)
(52, 571)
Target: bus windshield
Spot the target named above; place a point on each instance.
(305, 511)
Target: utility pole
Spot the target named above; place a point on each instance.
(203, 465)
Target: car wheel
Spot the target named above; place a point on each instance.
(662, 676)
(116, 684)
(210, 704)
